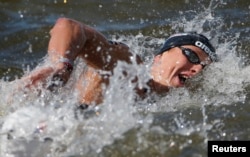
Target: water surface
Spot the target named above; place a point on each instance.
(214, 106)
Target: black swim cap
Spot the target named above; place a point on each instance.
(192, 38)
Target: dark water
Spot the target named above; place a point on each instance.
(180, 124)
(25, 24)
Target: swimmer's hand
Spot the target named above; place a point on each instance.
(45, 74)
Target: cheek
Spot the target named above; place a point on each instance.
(182, 62)
(164, 72)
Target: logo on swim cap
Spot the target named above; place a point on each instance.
(204, 48)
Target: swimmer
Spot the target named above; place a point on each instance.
(182, 56)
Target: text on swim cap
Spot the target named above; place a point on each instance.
(204, 48)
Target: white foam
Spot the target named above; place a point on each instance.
(221, 83)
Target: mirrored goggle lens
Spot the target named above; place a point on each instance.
(191, 55)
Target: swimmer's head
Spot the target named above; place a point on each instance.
(192, 38)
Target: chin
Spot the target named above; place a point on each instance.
(161, 88)
(176, 85)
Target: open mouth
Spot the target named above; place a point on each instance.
(183, 78)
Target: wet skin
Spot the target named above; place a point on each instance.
(71, 39)
(172, 68)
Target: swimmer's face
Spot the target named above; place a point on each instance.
(172, 68)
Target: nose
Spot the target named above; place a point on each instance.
(195, 69)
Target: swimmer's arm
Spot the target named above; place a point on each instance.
(100, 53)
(70, 39)
(65, 43)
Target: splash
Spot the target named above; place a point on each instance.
(44, 123)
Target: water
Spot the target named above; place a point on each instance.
(214, 106)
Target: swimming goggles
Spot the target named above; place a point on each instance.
(192, 57)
